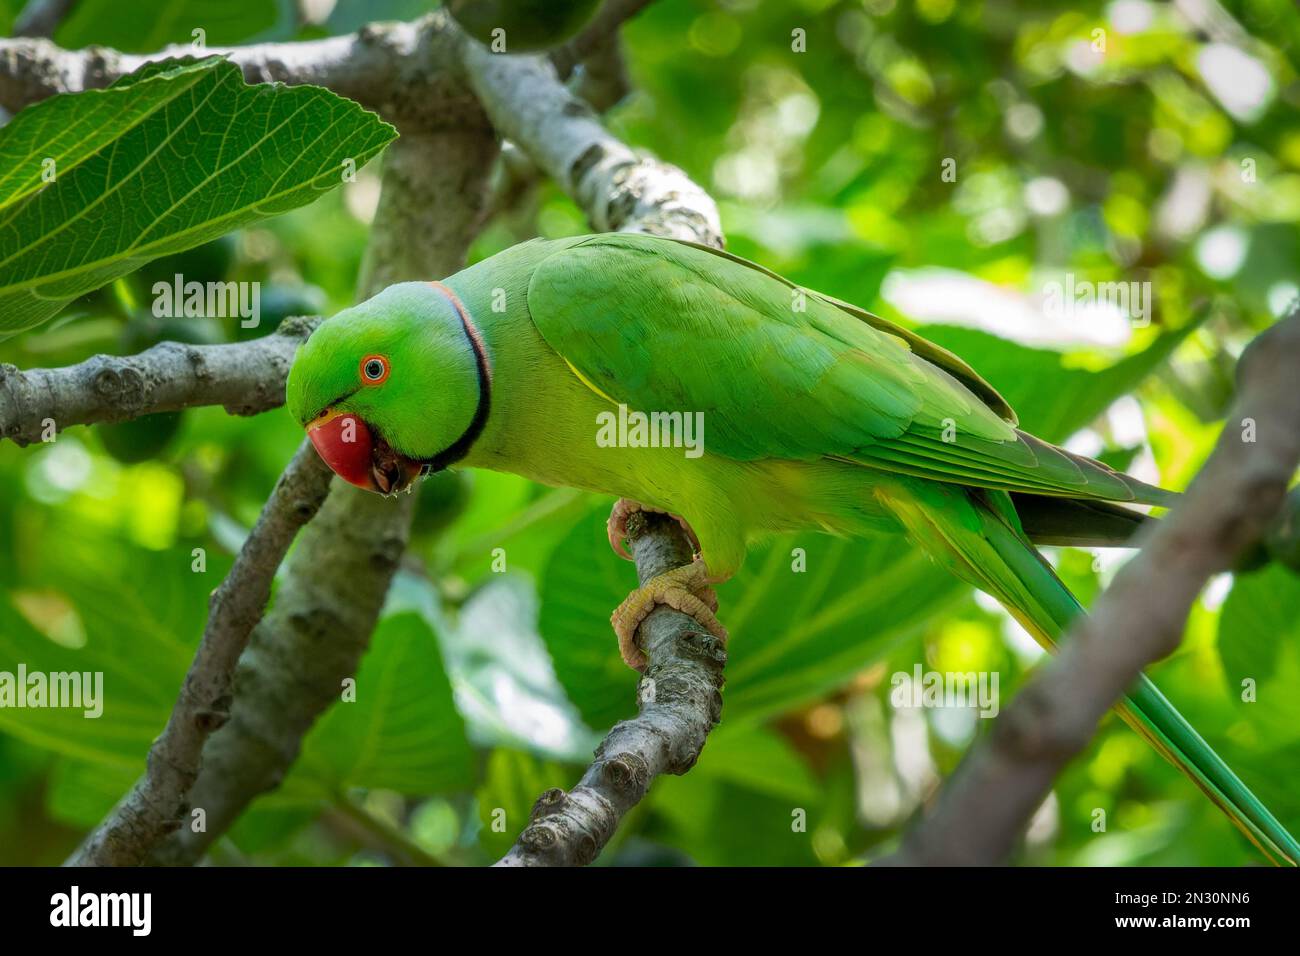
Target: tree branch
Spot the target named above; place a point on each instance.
(40, 18)
(156, 804)
(244, 377)
(680, 698)
(600, 33)
(404, 71)
(617, 189)
(1138, 620)
(312, 639)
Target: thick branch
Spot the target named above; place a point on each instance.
(680, 698)
(1140, 619)
(157, 803)
(245, 378)
(404, 71)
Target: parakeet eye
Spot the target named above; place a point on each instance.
(374, 369)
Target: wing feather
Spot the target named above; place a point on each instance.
(662, 325)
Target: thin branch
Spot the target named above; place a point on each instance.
(601, 79)
(311, 639)
(380, 835)
(156, 804)
(680, 698)
(600, 32)
(245, 378)
(40, 18)
(616, 188)
(1138, 620)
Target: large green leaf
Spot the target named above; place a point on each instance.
(1259, 641)
(165, 159)
(65, 131)
(402, 732)
(1260, 616)
(761, 760)
(141, 617)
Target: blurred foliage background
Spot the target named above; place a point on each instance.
(1135, 141)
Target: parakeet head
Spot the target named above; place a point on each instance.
(393, 388)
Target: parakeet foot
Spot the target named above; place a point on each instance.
(624, 508)
(685, 589)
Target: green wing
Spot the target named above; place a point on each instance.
(780, 372)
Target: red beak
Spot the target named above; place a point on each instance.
(346, 444)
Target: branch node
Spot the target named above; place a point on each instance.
(683, 762)
(214, 717)
(549, 803)
(539, 837)
(700, 645)
(627, 773)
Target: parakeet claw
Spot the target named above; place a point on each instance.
(685, 589)
(623, 509)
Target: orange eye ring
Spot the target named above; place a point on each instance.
(374, 370)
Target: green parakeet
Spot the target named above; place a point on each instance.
(811, 415)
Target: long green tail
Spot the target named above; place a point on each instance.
(983, 544)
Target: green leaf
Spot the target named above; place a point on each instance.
(67, 130)
(581, 584)
(1260, 615)
(760, 760)
(807, 632)
(142, 647)
(81, 793)
(166, 159)
(1259, 640)
(402, 732)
